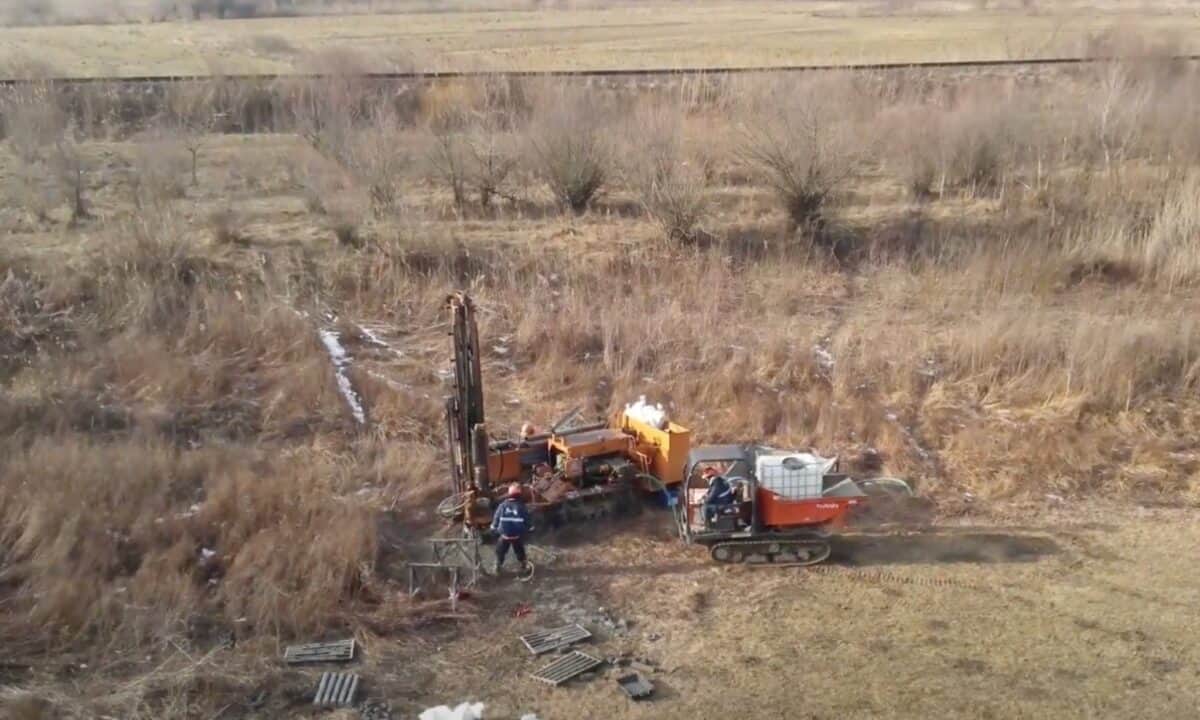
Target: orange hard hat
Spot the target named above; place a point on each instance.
(514, 490)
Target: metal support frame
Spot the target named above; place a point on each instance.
(458, 558)
(459, 553)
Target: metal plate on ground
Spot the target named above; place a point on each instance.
(543, 641)
(635, 685)
(566, 667)
(337, 651)
(336, 690)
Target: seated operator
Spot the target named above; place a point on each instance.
(720, 494)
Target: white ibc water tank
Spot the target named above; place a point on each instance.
(797, 476)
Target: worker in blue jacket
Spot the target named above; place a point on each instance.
(511, 522)
(720, 494)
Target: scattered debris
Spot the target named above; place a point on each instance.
(616, 626)
(543, 641)
(377, 710)
(566, 667)
(635, 685)
(641, 665)
(464, 711)
(337, 651)
(823, 357)
(336, 690)
(522, 610)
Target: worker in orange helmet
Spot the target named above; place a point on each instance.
(719, 494)
(511, 522)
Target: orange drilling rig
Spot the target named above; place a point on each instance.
(786, 504)
(571, 472)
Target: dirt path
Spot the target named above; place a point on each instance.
(1080, 613)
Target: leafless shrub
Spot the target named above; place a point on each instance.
(225, 226)
(375, 160)
(33, 119)
(570, 150)
(447, 157)
(493, 159)
(973, 145)
(669, 183)
(472, 152)
(798, 141)
(915, 153)
(327, 110)
(345, 231)
(28, 187)
(160, 167)
(1115, 108)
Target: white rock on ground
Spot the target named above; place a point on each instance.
(464, 711)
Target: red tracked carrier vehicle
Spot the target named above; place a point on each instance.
(786, 505)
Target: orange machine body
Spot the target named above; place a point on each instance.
(776, 511)
(591, 443)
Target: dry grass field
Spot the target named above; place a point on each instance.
(656, 34)
(984, 286)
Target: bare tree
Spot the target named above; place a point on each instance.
(470, 148)
(191, 117)
(447, 156)
(372, 157)
(70, 167)
(493, 160)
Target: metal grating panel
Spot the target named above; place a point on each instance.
(336, 690)
(543, 641)
(338, 651)
(566, 667)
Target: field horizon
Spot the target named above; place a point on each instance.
(655, 35)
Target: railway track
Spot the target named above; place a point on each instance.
(610, 73)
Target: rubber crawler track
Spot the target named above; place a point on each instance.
(639, 72)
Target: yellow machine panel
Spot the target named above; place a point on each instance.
(667, 450)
